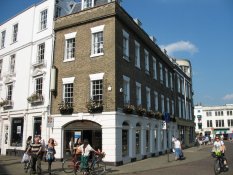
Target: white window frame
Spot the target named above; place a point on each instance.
(43, 19)
(171, 80)
(178, 84)
(148, 98)
(36, 90)
(86, 2)
(161, 72)
(40, 53)
(3, 38)
(147, 64)
(94, 32)
(68, 37)
(66, 81)
(125, 45)
(173, 107)
(58, 11)
(166, 77)
(156, 98)
(12, 64)
(179, 105)
(168, 105)
(1, 62)
(15, 32)
(162, 104)
(9, 94)
(138, 94)
(155, 75)
(137, 54)
(126, 89)
(96, 77)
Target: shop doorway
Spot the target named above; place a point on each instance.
(84, 130)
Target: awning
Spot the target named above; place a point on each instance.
(221, 131)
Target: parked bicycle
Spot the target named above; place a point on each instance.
(71, 165)
(219, 163)
(97, 166)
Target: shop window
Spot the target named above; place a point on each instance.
(155, 138)
(138, 138)
(17, 132)
(148, 138)
(161, 140)
(125, 139)
(37, 126)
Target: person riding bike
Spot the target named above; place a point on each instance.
(219, 150)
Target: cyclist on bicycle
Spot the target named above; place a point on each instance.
(85, 149)
(35, 150)
(219, 149)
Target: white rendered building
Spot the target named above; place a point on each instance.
(214, 120)
(26, 53)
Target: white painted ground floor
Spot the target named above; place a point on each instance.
(124, 138)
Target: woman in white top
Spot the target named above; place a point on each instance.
(85, 148)
(177, 147)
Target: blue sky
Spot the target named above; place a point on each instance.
(198, 30)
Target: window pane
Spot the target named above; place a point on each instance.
(98, 43)
(68, 93)
(97, 90)
(43, 19)
(39, 85)
(17, 131)
(70, 48)
(41, 51)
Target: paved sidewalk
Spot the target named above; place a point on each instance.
(10, 165)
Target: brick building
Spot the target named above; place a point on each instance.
(112, 84)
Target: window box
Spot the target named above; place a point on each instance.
(6, 103)
(172, 118)
(66, 108)
(140, 110)
(158, 115)
(94, 106)
(39, 63)
(35, 98)
(128, 109)
(150, 113)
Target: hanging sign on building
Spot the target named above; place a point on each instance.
(50, 122)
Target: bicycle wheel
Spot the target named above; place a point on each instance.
(99, 168)
(77, 170)
(68, 165)
(217, 167)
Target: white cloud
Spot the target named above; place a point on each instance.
(185, 46)
(228, 97)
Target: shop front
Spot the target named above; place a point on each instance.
(83, 129)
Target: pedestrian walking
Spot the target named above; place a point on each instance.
(35, 149)
(177, 146)
(50, 153)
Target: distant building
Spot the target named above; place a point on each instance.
(214, 120)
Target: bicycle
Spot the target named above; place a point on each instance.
(219, 163)
(71, 165)
(96, 165)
